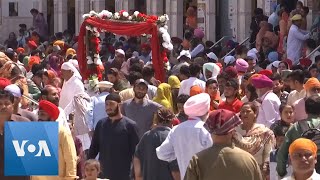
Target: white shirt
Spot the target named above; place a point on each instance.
(296, 38)
(269, 109)
(295, 96)
(188, 83)
(62, 119)
(69, 89)
(314, 176)
(184, 141)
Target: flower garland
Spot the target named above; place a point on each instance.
(123, 15)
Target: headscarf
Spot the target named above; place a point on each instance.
(33, 60)
(53, 61)
(69, 66)
(5, 70)
(51, 109)
(174, 82)
(194, 90)
(3, 58)
(229, 60)
(212, 67)
(70, 51)
(198, 105)
(254, 139)
(164, 96)
(303, 144)
(222, 121)
(311, 83)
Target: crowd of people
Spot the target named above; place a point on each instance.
(251, 115)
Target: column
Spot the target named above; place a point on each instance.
(243, 20)
(41, 5)
(82, 7)
(124, 5)
(60, 15)
(98, 5)
(155, 7)
(211, 20)
(207, 18)
(174, 9)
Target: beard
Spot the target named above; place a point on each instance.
(114, 113)
(139, 95)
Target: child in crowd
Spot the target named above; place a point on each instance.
(279, 131)
(92, 169)
(180, 102)
(213, 91)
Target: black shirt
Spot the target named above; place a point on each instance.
(152, 167)
(116, 144)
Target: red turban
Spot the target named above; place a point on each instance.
(266, 72)
(4, 82)
(51, 109)
(32, 45)
(231, 71)
(262, 82)
(33, 60)
(20, 50)
(289, 62)
(305, 62)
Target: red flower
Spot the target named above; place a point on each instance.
(95, 40)
(155, 18)
(121, 12)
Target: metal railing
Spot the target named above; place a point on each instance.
(218, 41)
(312, 52)
(235, 48)
(30, 99)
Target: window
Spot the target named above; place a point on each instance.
(13, 8)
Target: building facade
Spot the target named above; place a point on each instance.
(218, 18)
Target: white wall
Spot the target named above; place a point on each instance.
(11, 24)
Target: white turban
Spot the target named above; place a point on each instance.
(70, 67)
(197, 105)
(229, 60)
(14, 90)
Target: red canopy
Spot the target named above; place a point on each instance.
(122, 28)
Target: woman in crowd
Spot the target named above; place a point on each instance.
(211, 70)
(254, 138)
(212, 90)
(287, 116)
(175, 83)
(11, 42)
(250, 94)
(163, 96)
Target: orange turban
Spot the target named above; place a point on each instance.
(59, 43)
(194, 90)
(51, 74)
(33, 60)
(311, 83)
(253, 76)
(70, 51)
(20, 50)
(303, 144)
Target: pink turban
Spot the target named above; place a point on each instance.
(197, 105)
(262, 82)
(198, 33)
(241, 65)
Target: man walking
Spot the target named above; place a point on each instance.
(190, 137)
(115, 138)
(223, 160)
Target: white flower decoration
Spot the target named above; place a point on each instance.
(109, 14)
(96, 55)
(166, 27)
(166, 16)
(95, 29)
(166, 37)
(130, 18)
(136, 13)
(97, 34)
(162, 19)
(89, 60)
(92, 13)
(88, 28)
(125, 14)
(162, 30)
(116, 15)
(85, 16)
(165, 45)
(170, 47)
(97, 61)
